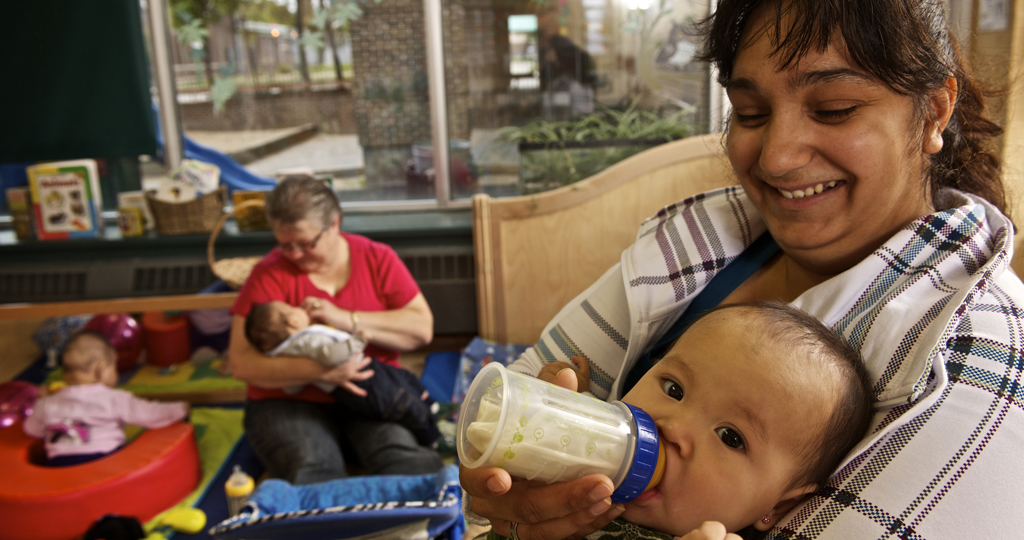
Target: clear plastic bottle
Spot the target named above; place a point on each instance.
(538, 431)
(238, 488)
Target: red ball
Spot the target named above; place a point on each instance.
(124, 334)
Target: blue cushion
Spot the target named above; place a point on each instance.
(351, 507)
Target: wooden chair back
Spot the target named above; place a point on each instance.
(535, 253)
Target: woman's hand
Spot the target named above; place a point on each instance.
(346, 374)
(402, 329)
(709, 530)
(544, 512)
(326, 312)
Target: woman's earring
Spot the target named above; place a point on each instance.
(766, 520)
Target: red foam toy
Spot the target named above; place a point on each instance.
(146, 477)
(166, 338)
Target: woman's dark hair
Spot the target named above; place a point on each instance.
(301, 197)
(904, 43)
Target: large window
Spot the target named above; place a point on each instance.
(341, 88)
(615, 75)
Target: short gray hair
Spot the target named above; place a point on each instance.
(302, 197)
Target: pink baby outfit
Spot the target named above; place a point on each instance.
(88, 418)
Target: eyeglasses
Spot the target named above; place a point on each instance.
(301, 246)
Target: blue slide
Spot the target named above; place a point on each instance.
(232, 175)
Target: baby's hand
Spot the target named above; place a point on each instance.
(582, 369)
(709, 530)
(348, 373)
(321, 310)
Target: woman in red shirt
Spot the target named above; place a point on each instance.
(351, 283)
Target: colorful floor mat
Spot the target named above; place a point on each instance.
(218, 430)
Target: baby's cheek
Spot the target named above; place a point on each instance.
(654, 516)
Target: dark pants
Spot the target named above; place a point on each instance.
(392, 394)
(304, 442)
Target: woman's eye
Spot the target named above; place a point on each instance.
(672, 389)
(750, 120)
(731, 438)
(835, 115)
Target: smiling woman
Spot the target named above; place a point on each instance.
(870, 199)
(824, 122)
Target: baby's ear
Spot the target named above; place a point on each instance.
(292, 320)
(789, 500)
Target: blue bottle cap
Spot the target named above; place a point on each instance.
(645, 458)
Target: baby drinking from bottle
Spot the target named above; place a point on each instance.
(755, 406)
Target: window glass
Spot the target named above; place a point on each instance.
(332, 88)
(613, 77)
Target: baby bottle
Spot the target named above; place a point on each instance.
(238, 488)
(538, 431)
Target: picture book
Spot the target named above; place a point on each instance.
(138, 200)
(66, 200)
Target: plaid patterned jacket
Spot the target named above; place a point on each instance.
(934, 312)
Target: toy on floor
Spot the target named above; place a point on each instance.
(183, 520)
(147, 476)
(166, 338)
(237, 490)
(16, 401)
(124, 334)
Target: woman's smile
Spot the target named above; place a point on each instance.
(810, 191)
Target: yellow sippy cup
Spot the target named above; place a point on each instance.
(238, 488)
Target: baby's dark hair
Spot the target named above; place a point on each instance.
(264, 328)
(785, 325)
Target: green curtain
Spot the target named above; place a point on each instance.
(75, 81)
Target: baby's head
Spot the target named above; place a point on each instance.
(757, 405)
(89, 358)
(270, 323)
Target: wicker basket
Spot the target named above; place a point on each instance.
(195, 216)
(233, 271)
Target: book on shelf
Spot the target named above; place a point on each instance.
(138, 200)
(66, 200)
(19, 204)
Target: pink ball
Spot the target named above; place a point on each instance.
(124, 334)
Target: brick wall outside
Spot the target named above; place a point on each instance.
(388, 104)
(332, 110)
(390, 65)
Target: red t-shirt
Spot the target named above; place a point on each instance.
(378, 281)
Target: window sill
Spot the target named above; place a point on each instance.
(399, 230)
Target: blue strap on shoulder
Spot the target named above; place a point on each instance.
(720, 286)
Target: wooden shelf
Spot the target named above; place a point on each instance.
(182, 302)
